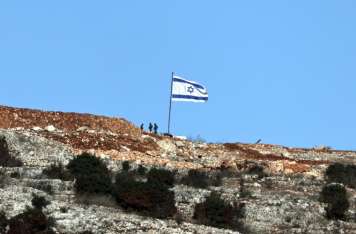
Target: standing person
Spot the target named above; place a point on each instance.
(141, 127)
(150, 127)
(155, 127)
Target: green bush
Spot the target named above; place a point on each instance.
(150, 198)
(6, 160)
(42, 185)
(4, 179)
(196, 178)
(161, 176)
(141, 170)
(86, 164)
(216, 179)
(335, 196)
(57, 171)
(244, 193)
(3, 222)
(15, 175)
(126, 166)
(30, 221)
(218, 213)
(341, 173)
(39, 202)
(91, 174)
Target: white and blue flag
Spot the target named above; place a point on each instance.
(189, 91)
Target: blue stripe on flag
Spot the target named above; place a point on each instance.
(187, 82)
(190, 97)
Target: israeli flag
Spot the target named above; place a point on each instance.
(188, 91)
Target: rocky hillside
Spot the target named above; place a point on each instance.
(266, 188)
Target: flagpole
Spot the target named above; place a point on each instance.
(170, 105)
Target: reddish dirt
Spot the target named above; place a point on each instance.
(85, 140)
(296, 167)
(254, 154)
(17, 117)
(106, 134)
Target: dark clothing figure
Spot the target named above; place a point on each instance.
(155, 128)
(141, 127)
(150, 127)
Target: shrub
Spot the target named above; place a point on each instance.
(43, 185)
(91, 174)
(4, 179)
(31, 221)
(64, 210)
(95, 183)
(178, 217)
(86, 164)
(244, 193)
(268, 184)
(39, 202)
(335, 196)
(15, 175)
(229, 173)
(57, 171)
(340, 173)
(161, 176)
(257, 170)
(218, 213)
(201, 179)
(216, 179)
(3, 222)
(126, 166)
(151, 197)
(6, 160)
(196, 178)
(141, 170)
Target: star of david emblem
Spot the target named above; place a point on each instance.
(190, 89)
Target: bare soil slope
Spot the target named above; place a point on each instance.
(26, 118)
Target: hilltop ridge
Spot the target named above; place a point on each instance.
(68, 121)
(123, 141)
(277, 186)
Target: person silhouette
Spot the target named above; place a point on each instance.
(142, 127)
(150, 127)
(155, 128)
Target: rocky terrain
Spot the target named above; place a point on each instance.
(280, 196)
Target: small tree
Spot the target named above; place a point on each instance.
(39, 202)
(141, 170)
(57, 171)
(341, 173)
(3, 222)
(162, 176)
(196, 178)
(32, 220)
(335, 196)
(218, 213)
(126, 166)
(91, 174)
(151, 198)
(6, 160)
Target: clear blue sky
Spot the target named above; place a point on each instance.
(283, 71)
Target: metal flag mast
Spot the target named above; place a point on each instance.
(170, 105)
